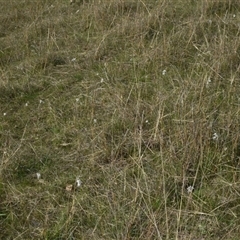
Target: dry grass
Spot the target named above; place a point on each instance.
(139, 99)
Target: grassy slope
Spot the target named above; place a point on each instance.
(140, 99)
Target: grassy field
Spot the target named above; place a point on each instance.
(119, 119)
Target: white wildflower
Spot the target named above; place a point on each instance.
(208, 82)
(77, 99)
(190, 189)
(38, 175)
(78, 182)
(164, 72)
(215, 136)
(4, 114)
(94, 120)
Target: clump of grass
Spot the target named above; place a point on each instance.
(119, 120)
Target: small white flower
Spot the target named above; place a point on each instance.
(38, 175)
(77, 99)
(215, 136)
(78, 182)
(40, 101)
(26, 104)
(190, 189)
(94, 120)
(146, 121)
(164, 72)
(4, 114)
(234, 15)
(102, 80)
(73, 59)
(208, 82)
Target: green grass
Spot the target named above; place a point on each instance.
(139, 99)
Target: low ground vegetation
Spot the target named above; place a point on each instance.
(119, 119)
